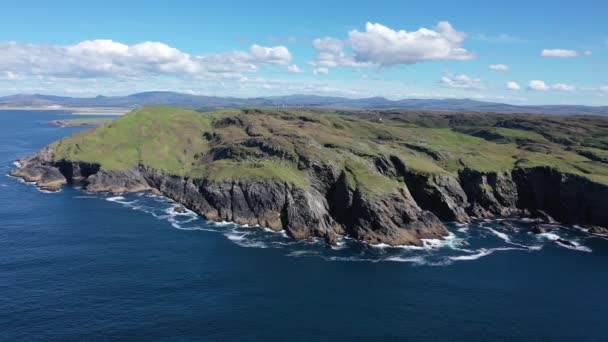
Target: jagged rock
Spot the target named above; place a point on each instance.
(598, 230)
(40, 169)
(441, 194)
(118, 181)
(569, 199)
(490, 193)
(330, 207)
(566, 242)
(537, 229)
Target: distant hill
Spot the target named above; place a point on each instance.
(214, 102)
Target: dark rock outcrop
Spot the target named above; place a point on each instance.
(332, 207)
(567, 198)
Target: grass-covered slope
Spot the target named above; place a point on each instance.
(285, 144)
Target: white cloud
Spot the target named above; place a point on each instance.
(107, 58)
(512, 85)
(294, 69)
(563, 87)
(321, 71)
(605, 88)
(461, 82)
(559, 53)
(500, 67)
(278, 55)
(384, 46)
(331, 60)
(539, 85)
(588, 52)
(328, 44)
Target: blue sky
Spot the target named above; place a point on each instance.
(540, 52)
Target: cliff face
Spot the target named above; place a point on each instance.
(331, 207)
(383, 178)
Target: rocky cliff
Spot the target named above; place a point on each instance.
(329, 176)
(332, 208)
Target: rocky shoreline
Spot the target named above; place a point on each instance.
(330, 209)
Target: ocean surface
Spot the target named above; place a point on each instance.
(87, 267)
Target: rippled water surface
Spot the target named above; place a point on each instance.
(80, 266)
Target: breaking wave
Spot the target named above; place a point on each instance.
(466, 242)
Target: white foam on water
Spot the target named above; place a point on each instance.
(298, 254)
(17, 164)
(351, 258)
(576, 247)
(462, 227)
(243, 241)
(414, 260)
(549, 236)
(482, 253)
(48, 191)
(501, 235)
(449, 242)
(115, 199)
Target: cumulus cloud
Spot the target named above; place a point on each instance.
(328, 44)
(321, 71)
(384, 46)
(279, 55)
(461, 82)
(512, 85)
(559, 53)
(539, 85)
(499, 67)
(294, 69)
(107, 58)
(380, 45)
(331, 60)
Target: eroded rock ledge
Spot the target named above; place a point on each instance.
(330, 208)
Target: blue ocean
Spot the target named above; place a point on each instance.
(76, 266)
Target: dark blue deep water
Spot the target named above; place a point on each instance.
(78, 266)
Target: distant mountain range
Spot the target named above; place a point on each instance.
(214, 102)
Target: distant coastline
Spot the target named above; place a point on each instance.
(74, 110)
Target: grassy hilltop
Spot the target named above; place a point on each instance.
(283, 144)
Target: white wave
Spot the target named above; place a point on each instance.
(576, 247)
(48, 191)
(482, 253)
(297, 254)
(339, 245)
(222, 223)
(414, 260)
(462, 227)
(243, 241)
(17, 164)
(115, 199)
(501, 235)
(449, 242)
(351, 258)
(549, 236)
